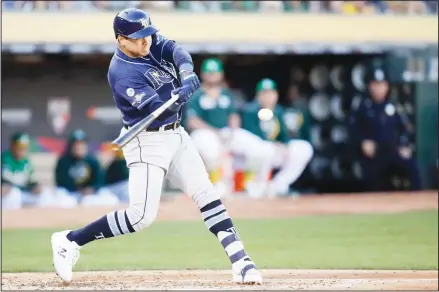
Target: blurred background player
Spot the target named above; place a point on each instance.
(214, 122)
(380, 136)
(296, 114)
(19, 186)
(265, 118)
(78, 174)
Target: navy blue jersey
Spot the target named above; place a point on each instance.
(138, 83)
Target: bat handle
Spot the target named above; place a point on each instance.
(174, 97)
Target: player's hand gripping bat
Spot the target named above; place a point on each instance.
(132, 132)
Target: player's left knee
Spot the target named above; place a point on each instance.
(204, 196)
(301, 149)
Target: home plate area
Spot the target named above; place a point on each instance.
(214, 280)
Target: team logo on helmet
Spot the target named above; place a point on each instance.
(144, 22)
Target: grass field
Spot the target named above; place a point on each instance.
(387, 241)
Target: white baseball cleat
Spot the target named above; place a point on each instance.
(65, 255)
(247, 275)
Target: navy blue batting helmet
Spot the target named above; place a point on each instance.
(133, 23)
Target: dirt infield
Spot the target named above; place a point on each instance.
(195, 280)
(182, 208)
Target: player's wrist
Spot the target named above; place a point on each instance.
(186, 68)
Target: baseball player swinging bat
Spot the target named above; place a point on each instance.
(123, 139)
(146, 69)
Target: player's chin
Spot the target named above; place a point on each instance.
(144, 51)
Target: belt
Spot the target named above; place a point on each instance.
(173, 126)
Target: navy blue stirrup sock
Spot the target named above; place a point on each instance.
(218, 221)
(111, 225)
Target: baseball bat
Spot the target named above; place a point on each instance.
(132, 132)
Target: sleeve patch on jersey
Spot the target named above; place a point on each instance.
(138, 99)
(130, 92)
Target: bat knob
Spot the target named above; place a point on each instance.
(115, 147)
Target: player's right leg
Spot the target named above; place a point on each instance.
(145, 186)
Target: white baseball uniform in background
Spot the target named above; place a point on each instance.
(291, 160)
(257, 153)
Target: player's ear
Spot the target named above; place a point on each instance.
(121, 40)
